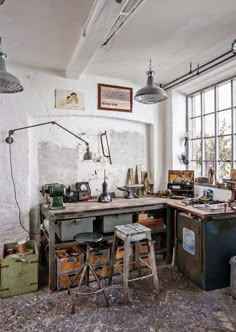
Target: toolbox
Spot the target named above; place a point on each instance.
(19, 273)
(66, 230)
(106, 224)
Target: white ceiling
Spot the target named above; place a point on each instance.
(46, 34)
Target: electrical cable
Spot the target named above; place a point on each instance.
(15, 196)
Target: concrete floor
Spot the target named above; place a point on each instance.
(181, 306)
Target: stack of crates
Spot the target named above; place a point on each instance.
(118, 266)
(99, 258)
(69, 262)
(19, 273)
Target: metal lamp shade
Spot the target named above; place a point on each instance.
(150, 94)
(8, 82)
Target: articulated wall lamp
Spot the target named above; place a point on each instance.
(9, 139)
(150, 94)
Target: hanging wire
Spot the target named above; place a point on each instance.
(15, 196)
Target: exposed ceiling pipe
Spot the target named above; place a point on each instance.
(201, 69)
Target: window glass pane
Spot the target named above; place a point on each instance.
(234, 92)
(224, 122)
(196, 127)
(209, 125)
(224, 147)
(209, 101)
(224, 170)
(197, 168)
(196, 149)
(207, 166)
(224, 96)
(209, 149)
(196, 105)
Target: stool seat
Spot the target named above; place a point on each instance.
(133, 233)
(87, 269)
(88, 237)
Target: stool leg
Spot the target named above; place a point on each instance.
(98, 282)
(137, 256)
(87, 260)
(126, 267)
(113, 258)
(152, 260)
(80, 283)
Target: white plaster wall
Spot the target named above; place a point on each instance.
(36, 104)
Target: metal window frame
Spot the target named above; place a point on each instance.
(189, 108)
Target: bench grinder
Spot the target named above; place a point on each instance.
(55, 191)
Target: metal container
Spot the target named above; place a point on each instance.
(19, 275)
(66, 230)
(107, 224)
(205, 248)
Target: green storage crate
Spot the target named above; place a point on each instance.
(106, 224)
(19, 275)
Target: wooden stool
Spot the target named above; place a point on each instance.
(133, 233)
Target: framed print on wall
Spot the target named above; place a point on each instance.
(69, 99)
(115, 98)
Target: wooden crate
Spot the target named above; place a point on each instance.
(119, 266)
(68, 262)
(101, 271)
(99, 256)
(64, 280)
(19, 274)
(120, 252)
(153, 224)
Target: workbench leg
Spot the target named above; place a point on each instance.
(126, 268)
(152, 260)
(52, 262)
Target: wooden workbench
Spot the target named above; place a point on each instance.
(117, 206)
(92, 209)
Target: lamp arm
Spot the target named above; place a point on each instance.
(10, 140)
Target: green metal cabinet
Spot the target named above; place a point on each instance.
(67, 229)
(19, 275)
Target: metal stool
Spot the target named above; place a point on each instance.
(88, 239)
(133, 233)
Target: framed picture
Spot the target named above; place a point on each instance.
(115, 98)
(70, 99)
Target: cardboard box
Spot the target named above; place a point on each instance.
(142, 216)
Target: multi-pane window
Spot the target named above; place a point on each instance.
(211, 123)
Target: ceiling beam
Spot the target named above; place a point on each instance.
(100, 20)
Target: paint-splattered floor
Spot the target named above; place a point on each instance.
(181, 306)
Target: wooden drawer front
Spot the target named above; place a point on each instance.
(107, 223)
(67, 229)
(64, 280)
(69, 264)
(99, 256)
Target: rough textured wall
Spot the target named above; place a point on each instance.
(30, 148)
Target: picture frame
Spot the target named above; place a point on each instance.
(115, 98)
(69, 99)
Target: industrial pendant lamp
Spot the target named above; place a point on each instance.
(150, 94)
(8, 82)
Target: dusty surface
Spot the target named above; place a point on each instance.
(181, 306)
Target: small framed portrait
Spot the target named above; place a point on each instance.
(70, 99)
